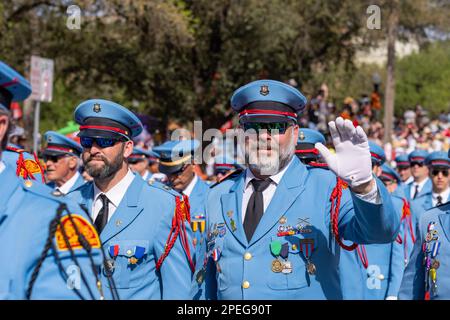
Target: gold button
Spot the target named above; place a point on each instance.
(247, 256)
(245, 284)
(28, 183)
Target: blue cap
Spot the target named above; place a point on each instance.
(58, 144)
(173, 155)
(307, 138)
(13, 86)
(402, 161)
(389, 174)
(103, 118)
(142, 154)
(438, 159)
(418, 156)
(224, 163)
(268, 101)
(377, 153)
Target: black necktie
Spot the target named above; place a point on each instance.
(255, 207)
(439, 200)
(102, 217)
(417, 191)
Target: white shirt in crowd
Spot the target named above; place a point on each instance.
(444, 197)
(413, 187)
(65, 188)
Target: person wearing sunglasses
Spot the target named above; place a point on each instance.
(269, 227)
(427, 277)
(421, 183)
(36, 263)
(404, 168)
(140, 161)
(142, 224)
(62, 158)
(438, 166)
(176, 161)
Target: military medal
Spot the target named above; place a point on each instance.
(233, 225)
(307, 248)
(287, 267)
(138, 254)
(200, 276)
(277, 266)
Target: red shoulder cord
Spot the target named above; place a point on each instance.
(21, 164)
(335, 199)
(407, 222)
(363, 255)
(182, 210)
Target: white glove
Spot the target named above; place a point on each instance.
(391, 298)
(352, 161)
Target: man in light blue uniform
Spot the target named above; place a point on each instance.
(62, 158)
(181, 175)
(404, 168)
(15, 88)
(382, 265)
(139, 161)
(428, 274)
(351, 280)
(421, 184)
(437, 163)
(143, 226)
(43, 255)
(270, 235)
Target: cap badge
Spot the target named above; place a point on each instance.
(264, 90)
(301, 136)
(97, 108)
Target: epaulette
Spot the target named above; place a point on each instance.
(231, 175)
(41, 190)
(162, 186)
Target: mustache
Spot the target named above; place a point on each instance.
(96, 157)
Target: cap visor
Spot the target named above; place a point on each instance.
(94, 133)
(170, 169)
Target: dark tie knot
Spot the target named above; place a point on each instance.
(439, 199)
(261, 185)
(104, 198)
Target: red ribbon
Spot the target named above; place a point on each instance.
(363, 255)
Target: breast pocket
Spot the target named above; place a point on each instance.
(292, 273)
(127, 262)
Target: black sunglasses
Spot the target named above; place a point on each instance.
(269, 126)
(435, 172)
(420, 164)
(54, 158)
(87, 142)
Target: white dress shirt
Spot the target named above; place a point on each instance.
(2, 166)
(373, 196)
(114, 195)
(413, 187)
(188, 190)
(146, 175)
(65, 188)
(445, 194)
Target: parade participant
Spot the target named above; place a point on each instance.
(181, 177)
(421, 184)
(62, 158)
(305, 150)
(14, 87)
(49, 248)
(144, 226)
(270, 235)
(223, 166)
(427, 275)
(438, 165)
(139, 162)
(404, 168)
(382, 265)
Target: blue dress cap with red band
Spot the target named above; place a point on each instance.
(438, 159)
(173, 155)
(140, 153)
(402, 161)
(59, 144)
(13, 86)
(307, 138)
(377, 153)
(103, 118)
(387, 173)
(268, 101)
(418, 156)
(225, 163)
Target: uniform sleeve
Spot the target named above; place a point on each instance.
(413, 282)
(365, 223)
(175, 272)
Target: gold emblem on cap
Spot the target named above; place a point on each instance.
(301, 136)
(97, 108)
(264, 90)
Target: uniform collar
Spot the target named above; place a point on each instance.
(276, 178)
(116, 193)
(420, 184)
(445, 195)
(188, 190)
(65, 188)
